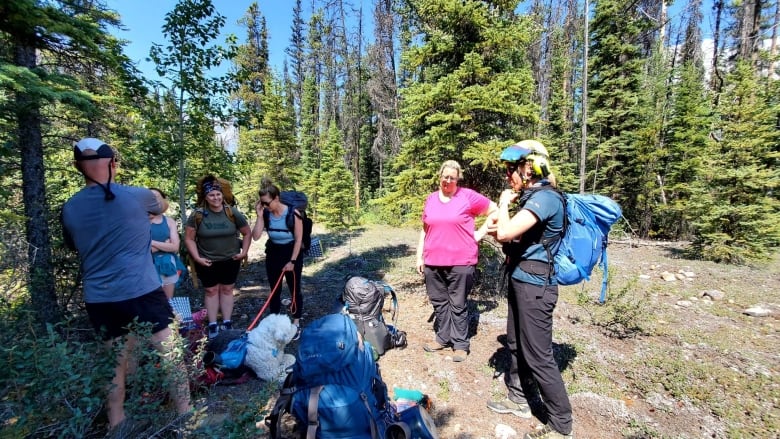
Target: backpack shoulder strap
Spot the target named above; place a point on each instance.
(388, 288)
(229, 212)
(290, 218)
(374, 428)
(312, 415)
(547, 243)
(198, 219)
(282, 405)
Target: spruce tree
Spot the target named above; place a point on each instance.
(737, 216)
(472, 96)
(40, 85)
(336, 207)
(269, 149)
(616, 65)
(687, 146)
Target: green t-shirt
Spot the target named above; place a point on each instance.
(217, 237)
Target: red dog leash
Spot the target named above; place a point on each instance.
(267, 302)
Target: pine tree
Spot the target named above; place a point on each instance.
(336, 208)
(383, 89)
(40, 40)
(687, 146)
(737, 216)
(270, 150)
(616, 65)
(252, 68)
(472, 95)
(296, 53)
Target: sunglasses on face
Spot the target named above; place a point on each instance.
(512, 167)
(265, 203)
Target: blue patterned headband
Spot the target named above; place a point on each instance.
(211, 186)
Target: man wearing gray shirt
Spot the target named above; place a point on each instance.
(108, 224)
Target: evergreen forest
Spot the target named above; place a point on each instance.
(676, 120)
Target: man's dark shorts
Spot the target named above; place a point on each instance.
(222, 272)
(111, 319)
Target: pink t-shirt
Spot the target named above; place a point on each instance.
(449, 228)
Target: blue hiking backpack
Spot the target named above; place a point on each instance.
(335, 388)
(589, 218)
(583, 245)
(295, 200)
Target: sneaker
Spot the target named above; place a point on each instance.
(434, 348)
(227, 325)
(506, 405)
(213, 330)
(297, 333)
(459, 356)
(547, 432)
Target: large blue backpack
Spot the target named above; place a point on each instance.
(335, 388)
(588, 220)
(583, 240)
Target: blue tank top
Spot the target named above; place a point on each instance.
(278, 232)
(161, 232)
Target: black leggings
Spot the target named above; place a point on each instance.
(276, 257)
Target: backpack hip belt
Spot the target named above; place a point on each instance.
(538, 268)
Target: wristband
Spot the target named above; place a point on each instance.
(293, 261)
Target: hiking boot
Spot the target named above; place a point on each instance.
(436, 347)
(213, 330)
(459, 356)
(227, 325)
(506, 405)
(547, 432)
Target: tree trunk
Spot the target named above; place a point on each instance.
(716, 82)
(749, 30)
(584, 126)
(773, 43)
(36, 207)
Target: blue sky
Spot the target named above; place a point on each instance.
(144, 20)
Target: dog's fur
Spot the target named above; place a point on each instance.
(265, 351)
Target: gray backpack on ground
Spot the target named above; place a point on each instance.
(364, 300)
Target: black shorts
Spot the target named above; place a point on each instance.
(222, 272)
(111, 319)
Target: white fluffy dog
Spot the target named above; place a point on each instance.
(265, 350)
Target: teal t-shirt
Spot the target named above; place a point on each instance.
(217, 236)
(547, 207)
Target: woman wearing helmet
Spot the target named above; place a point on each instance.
(533, 290)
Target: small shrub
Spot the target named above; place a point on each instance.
(52, 386)
(624, 314)
(56, 383)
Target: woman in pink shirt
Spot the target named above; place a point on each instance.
(447, 255)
